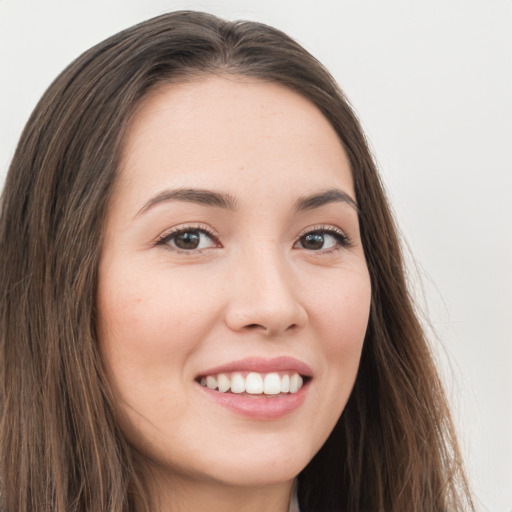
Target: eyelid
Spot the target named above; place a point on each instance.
(342, 237)
(168, 234)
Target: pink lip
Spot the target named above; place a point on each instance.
(260, 407)
(262, 365)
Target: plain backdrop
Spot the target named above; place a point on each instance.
(431, 81)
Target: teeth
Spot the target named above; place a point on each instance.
(272, 384)
(285, 384)
(295, 383)
(254, 383)
(211, 382)
(237, 383)
(223, 382)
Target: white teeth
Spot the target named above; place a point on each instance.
(272, 384)
(285, 384)
(254, 383)
(295, 383)
(237, 383)
(223, 382)
(211, 382)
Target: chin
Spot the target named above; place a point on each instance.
(255, 474)
(264, 467)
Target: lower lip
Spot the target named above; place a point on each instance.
(261, 407)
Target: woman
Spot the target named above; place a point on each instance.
(204, 300)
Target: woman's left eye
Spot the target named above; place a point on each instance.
(322, 240)
(188, 240)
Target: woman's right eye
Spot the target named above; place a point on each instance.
(188, 240)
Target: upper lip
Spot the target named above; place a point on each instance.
(262, 365)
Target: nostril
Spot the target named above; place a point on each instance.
(254, 326)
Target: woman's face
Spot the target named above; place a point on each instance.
(231, 257)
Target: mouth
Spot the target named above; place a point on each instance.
(255, 383)
(258, 388)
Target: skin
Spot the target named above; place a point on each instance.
(252, 288)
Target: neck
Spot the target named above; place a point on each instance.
(187, 495)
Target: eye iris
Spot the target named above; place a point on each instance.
(313, 241)
(187, 240)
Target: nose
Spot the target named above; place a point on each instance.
(263, 297)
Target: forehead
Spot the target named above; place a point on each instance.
(231, 131)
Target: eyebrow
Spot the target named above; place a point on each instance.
(317, 200)
(192, 195)
(228, 202)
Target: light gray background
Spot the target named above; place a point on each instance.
(431, 81)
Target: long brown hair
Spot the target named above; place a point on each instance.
(394, 447)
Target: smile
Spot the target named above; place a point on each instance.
(258, 388)
(254, 383)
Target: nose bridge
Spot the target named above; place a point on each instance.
(265, 294)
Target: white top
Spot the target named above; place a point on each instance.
(294, 501)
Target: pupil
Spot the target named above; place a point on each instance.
(188, 240)
(313, 241)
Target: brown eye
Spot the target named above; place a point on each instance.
(189, 240)
(313, 241)
(323, 239)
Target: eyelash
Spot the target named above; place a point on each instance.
(340, 236)
(166, 237)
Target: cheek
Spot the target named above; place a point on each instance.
(341, 309)
(340, 319)
(147, 329)
(151, 321)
